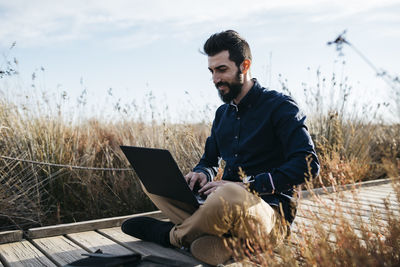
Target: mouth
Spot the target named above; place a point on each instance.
(222, 86)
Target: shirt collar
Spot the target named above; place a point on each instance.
(251, 97)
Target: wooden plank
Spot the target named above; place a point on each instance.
(370, 191)
(329, 205)
(330, 189)
(379, 197)
(10, 236)
(362, 199)
(23, 253)
(304, 226)
(55, 230)
(377, 201)
(382, 188)
(353, 212)
(337, 218)
(388, 185)
(61, 249)
(308, 224)
(370, 201)
(142, 247)
(148, 248)
(381, 194)
(391, 194)
(348, 205)
(358, 223)
(93, 241)
(335, 212)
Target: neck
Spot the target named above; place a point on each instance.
(247, 85)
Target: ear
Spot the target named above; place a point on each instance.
(245, 66)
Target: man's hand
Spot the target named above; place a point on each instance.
(212, 186)
(196, 177)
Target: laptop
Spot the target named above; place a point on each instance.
(160, 174)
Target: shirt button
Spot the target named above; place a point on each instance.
(236, 137)
(236, 155)
(238, 118)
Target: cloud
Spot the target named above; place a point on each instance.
(133, 23)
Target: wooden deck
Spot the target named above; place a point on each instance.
(61, 244)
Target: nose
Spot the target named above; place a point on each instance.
(216, 78)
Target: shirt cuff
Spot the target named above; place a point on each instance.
(207, 171)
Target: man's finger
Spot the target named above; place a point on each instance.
(209, 191)
(203, 188)
(206, 187)
(188, 176)
(193, 181)
(203, 182)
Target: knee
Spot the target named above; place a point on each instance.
(231, 192)
(228, 195)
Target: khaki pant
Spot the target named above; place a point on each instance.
(230, 209)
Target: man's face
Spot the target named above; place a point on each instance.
(226, 76)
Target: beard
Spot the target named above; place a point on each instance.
(235, 88)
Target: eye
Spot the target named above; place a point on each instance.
(221, 69)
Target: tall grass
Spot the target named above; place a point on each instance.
(42, 128)
(330, 234)
(350, 150)
(351, 138)
(36, 194)
(50, 194)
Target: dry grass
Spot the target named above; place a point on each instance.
(331, 234)
(37, 194)
(335, 229)
(349, 150)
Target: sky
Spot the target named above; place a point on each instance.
(148, 52)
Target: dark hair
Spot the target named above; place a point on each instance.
(229, 40)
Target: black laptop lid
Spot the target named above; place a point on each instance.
(159, 173)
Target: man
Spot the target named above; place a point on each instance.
(258, 132)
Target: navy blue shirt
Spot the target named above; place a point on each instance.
(265, 135)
